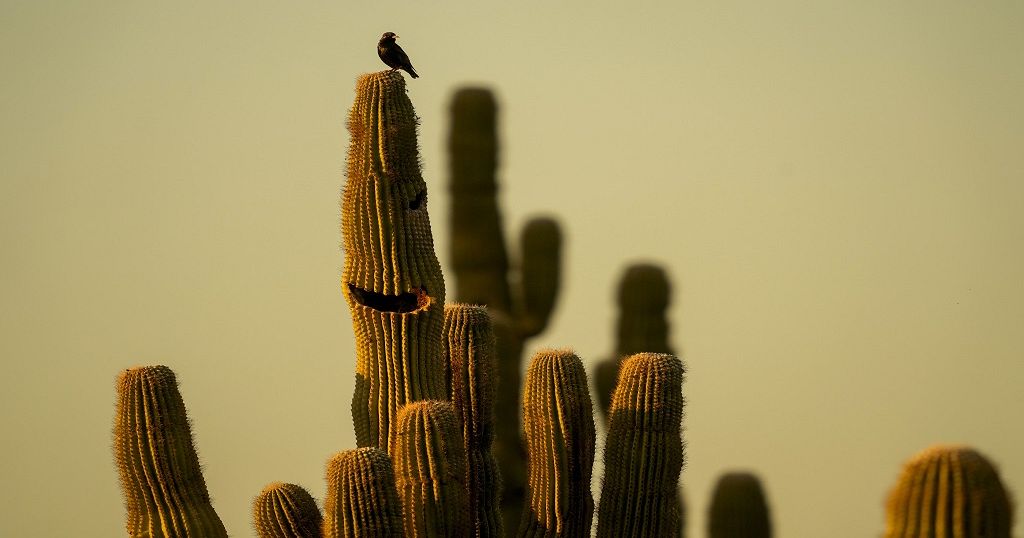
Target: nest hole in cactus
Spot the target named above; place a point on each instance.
(403, 303)
(417, 202)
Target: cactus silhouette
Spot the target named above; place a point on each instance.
(558, 420)
(738, 508)
(285, 511)
(948, 491)
(163, 487)
(361, 500)
(391, 279)
(430, 470)
(644, 450)
(482, 271)
(469, 346)
(643, 297)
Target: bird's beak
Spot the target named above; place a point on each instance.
(396, 37)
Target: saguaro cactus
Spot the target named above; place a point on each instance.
(285, 511)
(949, 491)
(392, 279)
(361, 500)
(738, 508)
(643, 297)
(482, 275)
(430, 470)
(644, 450)
(469, 346)
(163, 487)
(558, 420)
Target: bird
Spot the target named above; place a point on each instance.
(393, 55)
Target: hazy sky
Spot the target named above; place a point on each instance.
(835, 189)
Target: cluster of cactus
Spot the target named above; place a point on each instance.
(428, 381)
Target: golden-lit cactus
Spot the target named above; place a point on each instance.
(392, 279)
(284, 510)
(361, 500)
(643, 298)
(520, 301)
(469, 346)
(163, 487)
(949, 491)
(739, 508)
(558, 419)
(644, 450)
(430, 470)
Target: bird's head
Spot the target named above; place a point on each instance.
(388, 36)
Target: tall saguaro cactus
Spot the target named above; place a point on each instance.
(558, 419)
(949, 491)
(361, 500)
(284, 510)
(521, 301)
(392, 279)
(643, 451)
(163, 487)
(738, 508)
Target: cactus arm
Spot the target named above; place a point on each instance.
(738, 508)
(285, 511)
(163, 487)
(361, 500)
(539, 274)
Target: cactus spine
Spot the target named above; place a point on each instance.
(558, 420)
(949, 492)
(469, 346)
(392, 279)
(430, 470)
(738, 508)
(644, 450)
(643, 298)
(285, 511)
(163, 487)
(481, 267)
(361, 500)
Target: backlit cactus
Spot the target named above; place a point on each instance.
(558, 419)
(520, 301)
(163, 487)
(285, 511)
(643, 298)
(391, 280)
(469, 346)
(361, 500)
(738, 508)
(949, 492)
(643, 453)
(430, 470)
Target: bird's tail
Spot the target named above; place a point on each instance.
(412, 72)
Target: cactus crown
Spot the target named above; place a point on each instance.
(361, 498)
(949, 490)
(738, 508)
(285, 511)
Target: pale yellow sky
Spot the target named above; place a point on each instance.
(835, 188)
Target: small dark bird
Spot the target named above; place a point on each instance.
(393, 55)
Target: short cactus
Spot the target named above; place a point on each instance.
(558, 419)
(644, 450)
(361, 500)
(949, 492)
(738, 508)
(469, 346)
(643, 298)
(163, 487)
(482, 276)
(392, 279)
(430, 470)
(285, 511)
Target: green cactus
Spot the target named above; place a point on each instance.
(482, 275)
(430, 470)
(392, 279)
(361, 500)
(163, 487)
(738, 508)
(644, 450)
(285, 511)
(643, 298)
(949, 491)
(469, 346)
(558, 419)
